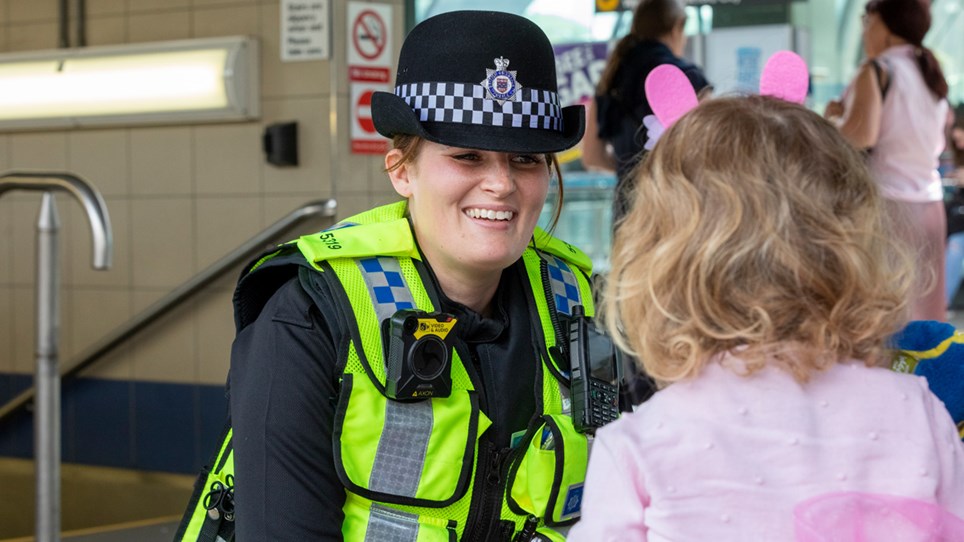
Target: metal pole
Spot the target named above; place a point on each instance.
(47, 376)
(47, 426)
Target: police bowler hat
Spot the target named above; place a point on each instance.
(481, 80)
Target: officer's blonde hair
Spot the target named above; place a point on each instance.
(757, 227)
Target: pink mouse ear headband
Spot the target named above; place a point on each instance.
(671, 95)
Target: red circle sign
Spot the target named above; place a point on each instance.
(369, 34)
(363, 112)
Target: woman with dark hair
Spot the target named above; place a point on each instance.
(896, 108)
(655, 37)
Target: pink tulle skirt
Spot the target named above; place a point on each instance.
(872, 517)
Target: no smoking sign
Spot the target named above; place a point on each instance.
(369, 34)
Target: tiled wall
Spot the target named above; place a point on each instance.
(179, 198)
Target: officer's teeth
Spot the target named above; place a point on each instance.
(490, 214)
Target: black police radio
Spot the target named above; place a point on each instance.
(418, 355)
(594, 377)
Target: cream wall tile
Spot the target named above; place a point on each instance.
(105, 7)
(102, 158)
(111, 309)
(31, 10)
(378, 181)
(223, 224)
(24, 330)
(166, 351)
(205, 3)
(159, 26)
(162, 242)
(80, 251)
(107, 30)
(45, 151)
(278, 207)
(149, 5)
(215, 333)
(312, 175)
(352, 204)
(118, 364)
(227, 159)
(226, 21)
(6, 240)
(161, 161)
(6, 329)
(303, 78)
(4, 152)
(32, 37)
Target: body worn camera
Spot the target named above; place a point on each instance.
(594, 375)
(418, 358)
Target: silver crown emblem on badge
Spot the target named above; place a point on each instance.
(500, 84)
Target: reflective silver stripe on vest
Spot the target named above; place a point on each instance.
(386, 286)
(388, 525)
(400, 456)
(565, 288)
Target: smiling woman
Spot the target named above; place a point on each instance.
(391, 375)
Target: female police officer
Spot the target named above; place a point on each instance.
(402, 376)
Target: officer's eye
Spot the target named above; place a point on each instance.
(527, 158)
(467, 156)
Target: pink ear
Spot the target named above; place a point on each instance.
(669, 93)
(785, 76)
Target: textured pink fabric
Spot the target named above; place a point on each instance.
(869, 517)
(727, 458)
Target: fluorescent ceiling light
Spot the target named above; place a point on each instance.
(152, 83)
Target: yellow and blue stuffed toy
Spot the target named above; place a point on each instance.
(934, 350)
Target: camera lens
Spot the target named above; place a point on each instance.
(410, 325)
(429, 357)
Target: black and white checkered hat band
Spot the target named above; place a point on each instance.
(468, 104)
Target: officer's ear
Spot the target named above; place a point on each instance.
(399, 172)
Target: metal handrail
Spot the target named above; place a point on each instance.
(47, 372)
(243, 253)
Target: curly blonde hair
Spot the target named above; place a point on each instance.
(755, 226)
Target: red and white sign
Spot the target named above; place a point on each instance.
(370, 61)
(364, 138)
(369, 35)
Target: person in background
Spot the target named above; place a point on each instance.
(756, 278)
(896, 109)
(389, 373)
(616, 140)
(955, 204)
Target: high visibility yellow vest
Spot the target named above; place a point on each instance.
(409, 468)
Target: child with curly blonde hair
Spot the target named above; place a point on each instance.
(757, 280)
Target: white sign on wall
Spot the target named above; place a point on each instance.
(368, 35)
(305, 30)
(370, 60)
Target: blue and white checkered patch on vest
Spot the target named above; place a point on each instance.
(386, 286)
(565, 289)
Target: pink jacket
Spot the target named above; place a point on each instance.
(728, 458)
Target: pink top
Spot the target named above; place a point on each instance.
(728, 458)
(911, 137)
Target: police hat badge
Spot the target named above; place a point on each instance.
(500, 84)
